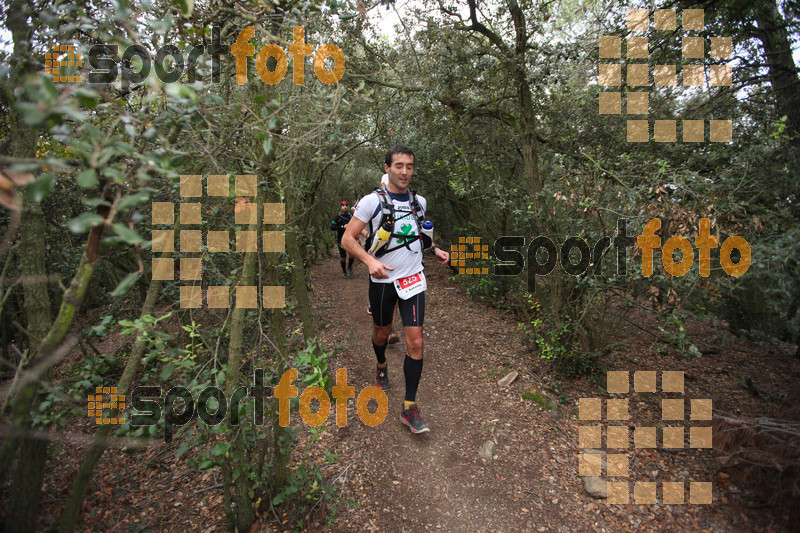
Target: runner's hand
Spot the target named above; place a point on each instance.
(378, 270)
(441, 256)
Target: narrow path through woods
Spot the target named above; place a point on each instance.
(387, 479)
(437, 480)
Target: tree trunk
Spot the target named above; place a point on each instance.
(299, 284)
(281, 440)
(782, 69)
(45, 355)
(237, 460)
(69, 517)
(26, 483)
(28, 473)
(529, 147)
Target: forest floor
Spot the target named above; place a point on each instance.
(385, 478)
(438, 481)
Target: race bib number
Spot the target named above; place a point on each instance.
(411, 285)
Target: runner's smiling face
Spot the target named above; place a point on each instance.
(400, 172)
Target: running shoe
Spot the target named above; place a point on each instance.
(413, 419)
(382, 378)
(369, 310)
(344, 275)
(393, 339)
(350, 272)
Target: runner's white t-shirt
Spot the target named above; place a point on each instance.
(404, 261)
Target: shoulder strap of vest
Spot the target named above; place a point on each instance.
(415, 207)
(386, 206)
(386, 202)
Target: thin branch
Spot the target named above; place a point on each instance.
(383, 83)
(618, 180)
(483, 30)
(6, 161)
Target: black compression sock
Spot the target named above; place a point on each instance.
(350, 263)
(344, 270)
(412, 368)
(380, 353)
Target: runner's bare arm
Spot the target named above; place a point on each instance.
(442, 256)
(349, 243)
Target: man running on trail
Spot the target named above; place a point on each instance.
(393, 338)
(338, 224)
(396, 272)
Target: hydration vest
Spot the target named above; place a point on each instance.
(387, 213)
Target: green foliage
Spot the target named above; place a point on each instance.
(123, 146)
(60, 402)
(483, 287)
(552, 344)
(307, 487)
(558, 344)
(678, 336)
(53, 411)
(90, 372)
(760, 304)
(577, 363)
(312, 365)
(100, 330)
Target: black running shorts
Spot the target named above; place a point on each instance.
(382, 299)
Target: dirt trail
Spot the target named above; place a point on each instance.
(437, 480)
(387, 479)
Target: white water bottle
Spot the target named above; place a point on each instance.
(427, 231)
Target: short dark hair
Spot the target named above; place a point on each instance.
(397, 149)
